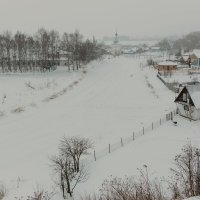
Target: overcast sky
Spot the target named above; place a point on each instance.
(102, 17)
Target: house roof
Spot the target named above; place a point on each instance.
(196, 52)
(187, 53)
(155, 48)
(185, 57)
(168, 63)
(194, 91)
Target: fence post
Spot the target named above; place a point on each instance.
(133, 135)
(121, 142)
(171, 116)
(95, 156)
(143, 130)
(109, 148)
(152, 125)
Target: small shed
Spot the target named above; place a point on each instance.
(166, 66)
(188, 101)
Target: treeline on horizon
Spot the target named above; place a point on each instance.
(21, 52)
(187, 43)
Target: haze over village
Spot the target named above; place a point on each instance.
(99, 100)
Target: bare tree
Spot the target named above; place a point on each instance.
(186, 174)
(67, 165)
(3, 191)
(75, 147)
(54, 44)
(68, 178)
(43, 38)
(7, 38)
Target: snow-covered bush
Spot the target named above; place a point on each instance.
(131, 188)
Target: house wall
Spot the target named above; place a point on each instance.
(193, 57)
(195, 113)
(196, 63)
(166, 68)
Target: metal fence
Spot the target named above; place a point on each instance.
(123, 141)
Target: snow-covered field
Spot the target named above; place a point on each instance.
(104, 101)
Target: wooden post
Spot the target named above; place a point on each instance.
(121, 142)
(143, 130)
(133, 135)
(152, 125)
(95, 156)
(109, 148)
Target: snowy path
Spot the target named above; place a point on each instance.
(110, 102)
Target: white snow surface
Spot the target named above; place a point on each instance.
(167, 63)
(104, 101)
(193, 198)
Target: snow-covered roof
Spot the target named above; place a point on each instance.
(185, 57)
(187, 53)
(194, 91)
(155, 48)
(196, 52)
(167, 63)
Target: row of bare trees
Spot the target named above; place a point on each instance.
(43, 50)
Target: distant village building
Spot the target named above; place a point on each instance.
(188, 101)
(195, 58)
(191, 58)
(185, 58)
(116, 48)
(154, 49)
(129, 50)
(116, 40)
(63, 58)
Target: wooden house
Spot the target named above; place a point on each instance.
(166, 66)
(188, 101)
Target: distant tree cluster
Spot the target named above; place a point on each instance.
(189, 42)
(43, 50)
(164, 44)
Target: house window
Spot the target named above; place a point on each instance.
(186, 107)
(185, 97)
